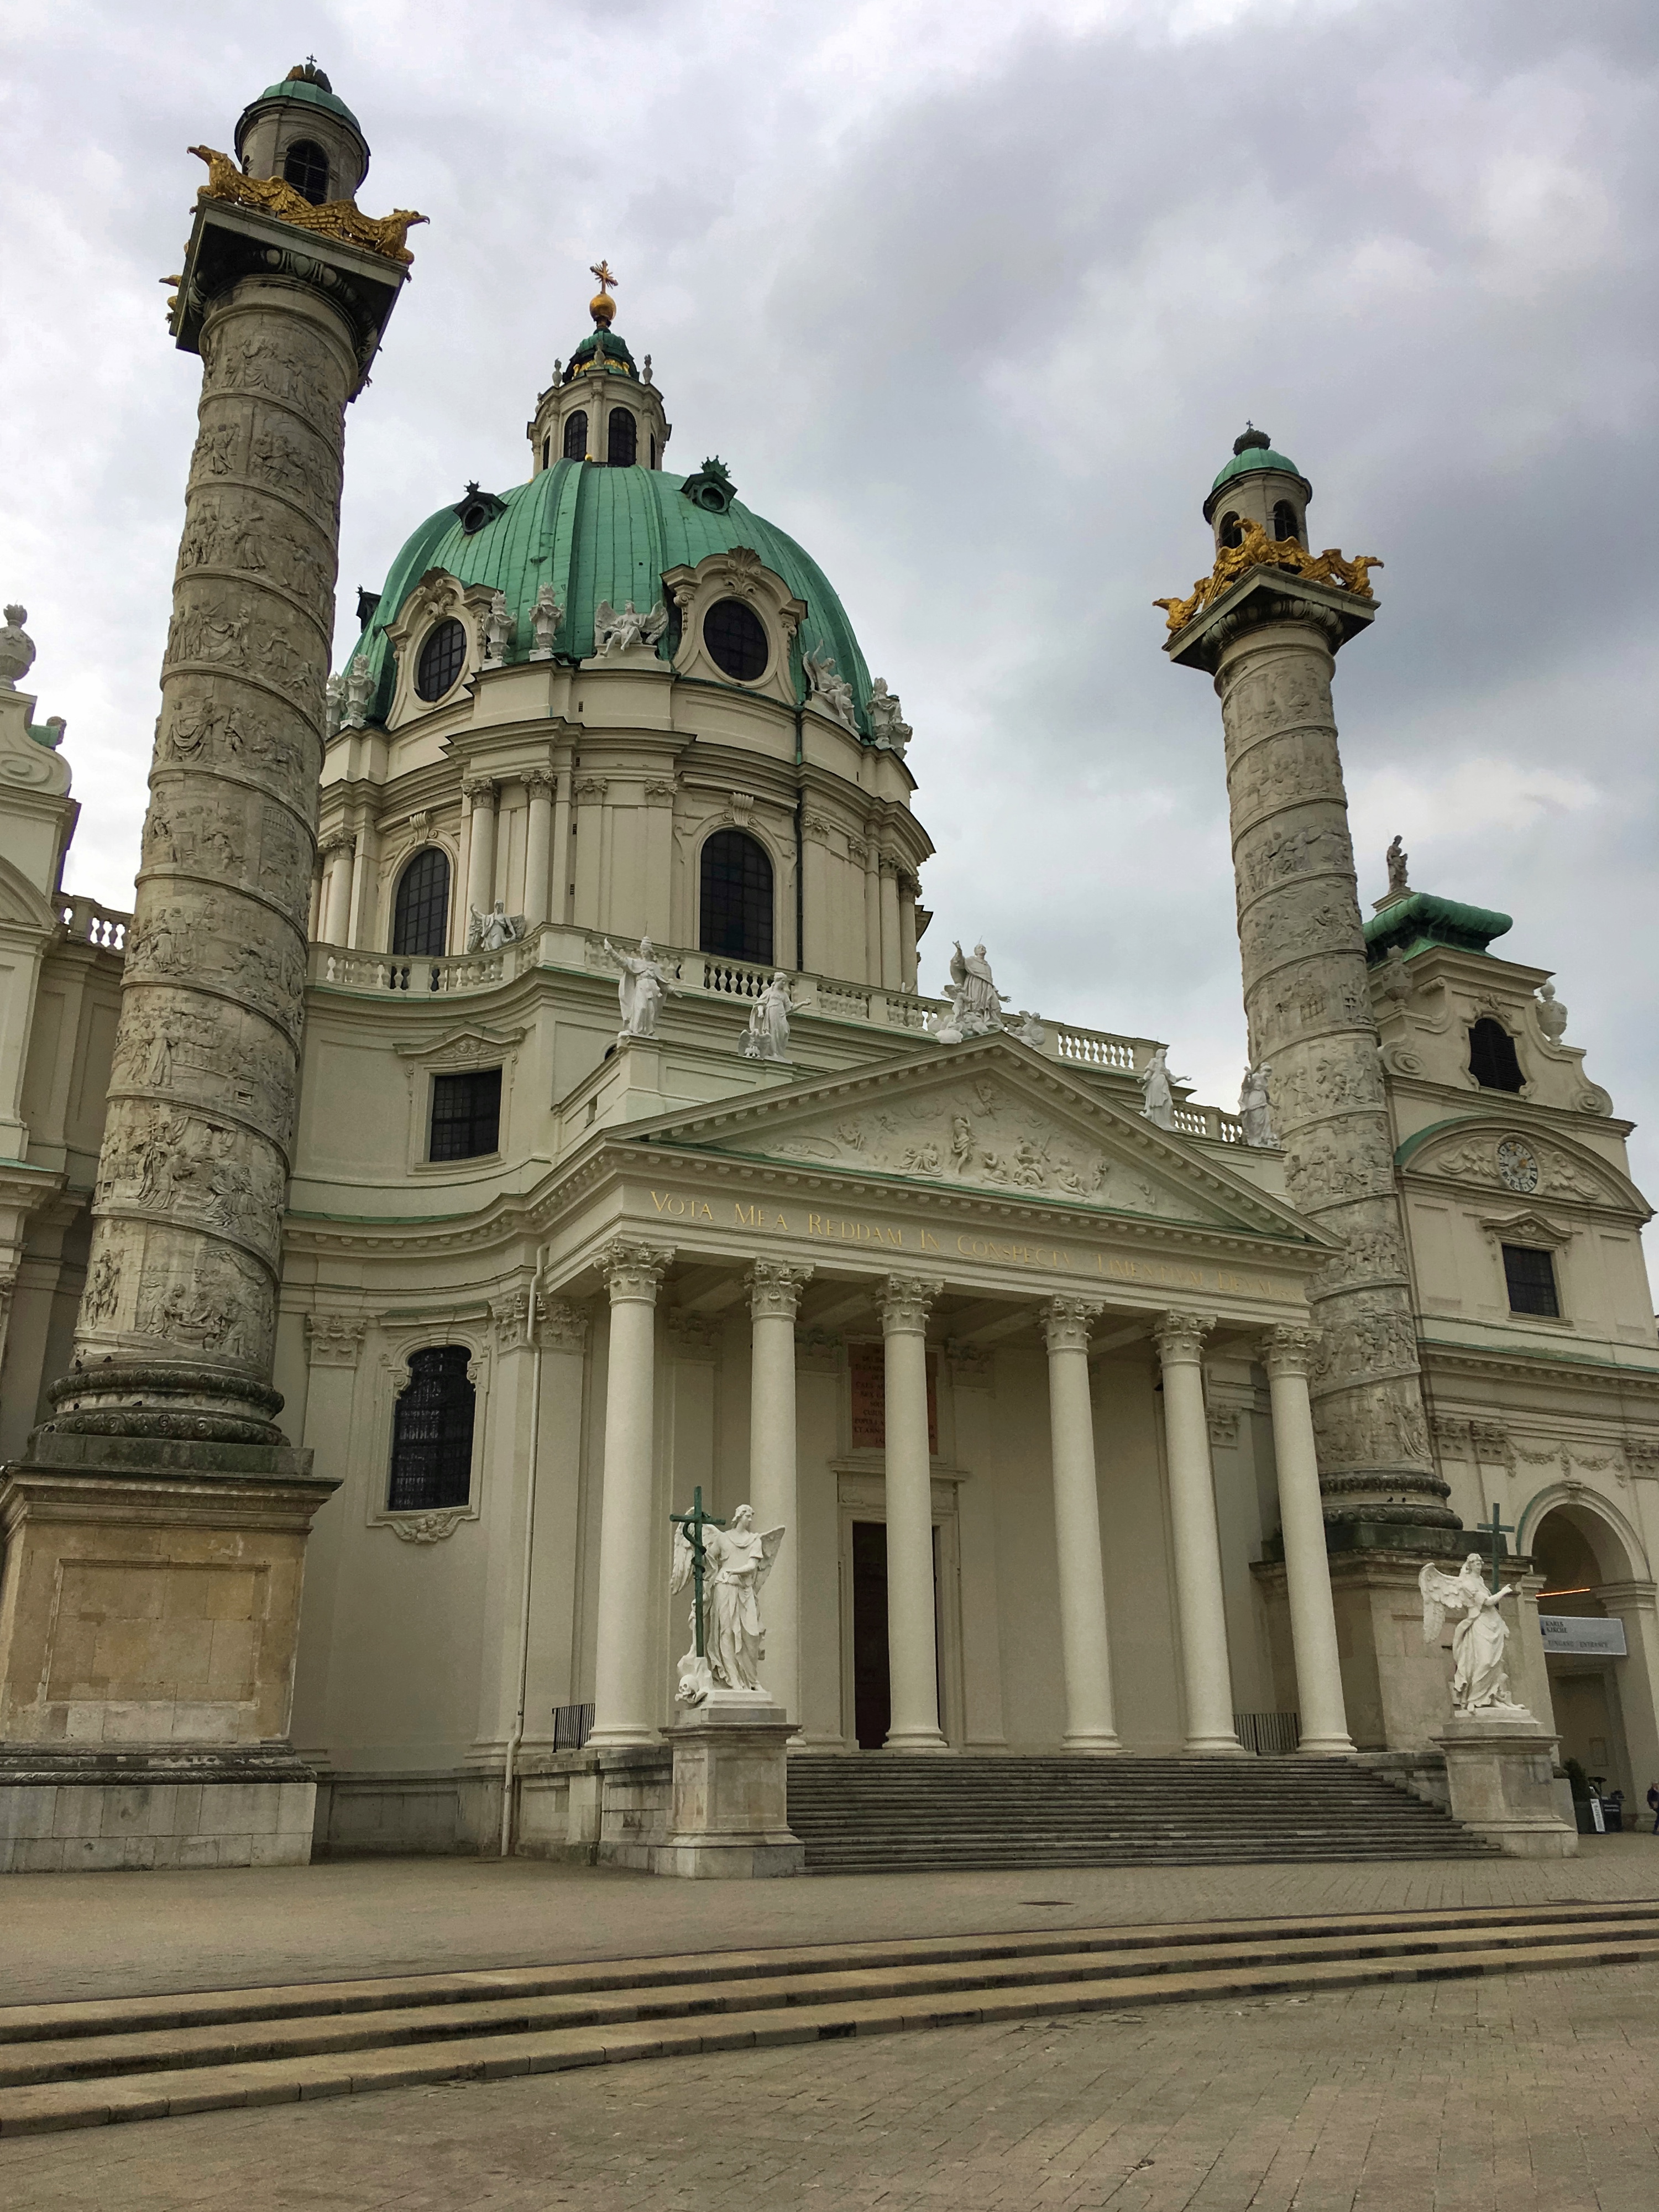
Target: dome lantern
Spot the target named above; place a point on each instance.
(302, 130)
(1258, 485)
(599, 407)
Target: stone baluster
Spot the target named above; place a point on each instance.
(625, 1701)
(904, 1302)
(1199, 1593)
(1084, 1648)
(1285, 1354)
(775, 1289)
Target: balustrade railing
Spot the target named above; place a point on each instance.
(1094, 1048)
(88, 923)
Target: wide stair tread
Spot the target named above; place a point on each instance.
(87, 2063)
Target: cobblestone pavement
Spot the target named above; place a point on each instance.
(1530, 2091)
(66, 1936)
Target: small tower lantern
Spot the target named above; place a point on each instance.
(1260, 486)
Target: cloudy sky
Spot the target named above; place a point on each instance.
(973, 298)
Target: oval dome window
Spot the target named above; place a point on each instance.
(737, 639)
(442, 659)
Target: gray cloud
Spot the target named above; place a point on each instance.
(973, 300)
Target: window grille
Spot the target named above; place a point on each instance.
(420, 917)
(737, 639)
(1530, 1275)
(622, 439)
(736, 913)
(466, 1114)
(1229, 532)
(432, 1432)
(305, 167)
(443, 656)
(1284, 521)
(575, 435)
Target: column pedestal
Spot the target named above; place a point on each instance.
(1501, 1778)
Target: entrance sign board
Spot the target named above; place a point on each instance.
(1583, 1634)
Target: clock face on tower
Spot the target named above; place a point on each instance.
(1517, 1165)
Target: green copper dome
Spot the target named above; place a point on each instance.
(1251, 451)
(311, 87)
(604, 533)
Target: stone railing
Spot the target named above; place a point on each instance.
(419, 973)
(1209, 1121)
(86, 922)
(1093, 1048)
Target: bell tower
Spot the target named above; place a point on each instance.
(599, 407)
(1266, 625)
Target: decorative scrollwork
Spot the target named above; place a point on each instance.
(1255, 550)
(383, 234)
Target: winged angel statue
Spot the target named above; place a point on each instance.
(1480, 1676)
(736, 1562)
(616, 633)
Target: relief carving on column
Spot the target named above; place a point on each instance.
(1181, 1336)
(775, 1289)
(692, 1336)
(509, 1318)
(633, 1268)
(1068, 1322)
(904, 1303)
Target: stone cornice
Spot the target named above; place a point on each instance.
(1554, 1368)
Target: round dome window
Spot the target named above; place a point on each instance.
(737, 639)
(442, 659)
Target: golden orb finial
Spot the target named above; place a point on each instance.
(602, 307)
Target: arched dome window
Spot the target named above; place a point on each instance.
(1230, 533)
(432, 1431)
(1284, 521)
(443, 656)
(305, 167)
(420, 914)
(737, 639)
(575, 435)
(736, 913)
(622, 439)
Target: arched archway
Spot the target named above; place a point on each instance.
(1595, 1610)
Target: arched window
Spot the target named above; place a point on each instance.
(575, 435)
(432, 1432)
(1230, 533)
(736, 915)
(1492, 1062)
(1284, 521)
(420, 915)
(442, 659)
(305, 167)
(622, 439)
(737, 639)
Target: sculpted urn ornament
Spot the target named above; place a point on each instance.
(16, 649)
(1551, 1014)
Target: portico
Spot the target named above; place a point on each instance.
(1009, 1385)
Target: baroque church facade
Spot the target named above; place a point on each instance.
(626, 1159)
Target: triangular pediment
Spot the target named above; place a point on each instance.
(991, 1120)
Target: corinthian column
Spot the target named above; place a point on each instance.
(774, 1292)
(625, 1700)
(1286, 1353)
(1199, 1592)
(912, 1644)
(1084, 1648)
(1269, 637)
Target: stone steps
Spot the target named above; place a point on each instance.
(872, 1811)
(91, 2064)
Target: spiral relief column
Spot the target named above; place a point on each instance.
(156, 1525)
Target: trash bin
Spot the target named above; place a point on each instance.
(1613, 1811)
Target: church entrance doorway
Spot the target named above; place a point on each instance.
(1584, 1647)
(872, 1680)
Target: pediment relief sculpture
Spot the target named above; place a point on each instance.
(1505, 1160)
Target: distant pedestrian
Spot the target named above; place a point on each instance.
(1653, 1804)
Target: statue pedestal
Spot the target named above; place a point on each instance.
(730, 1820)
(1500, 1774)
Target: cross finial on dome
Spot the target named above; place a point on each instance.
(602, 307)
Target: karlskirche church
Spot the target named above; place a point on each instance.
(511, 1114)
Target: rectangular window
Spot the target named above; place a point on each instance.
(466, 1114)
(1530, 1275)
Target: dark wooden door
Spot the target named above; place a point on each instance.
(872, 1683)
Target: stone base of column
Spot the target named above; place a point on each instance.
(731, 1806)
(1325, 1746)
(1501, 1777)
(1092, 1740)
(102, 1810)
(151, 1604)
(1227, 1746)
(915, 1740)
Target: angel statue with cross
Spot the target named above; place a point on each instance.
(1480, 1674)
(728, 1639)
